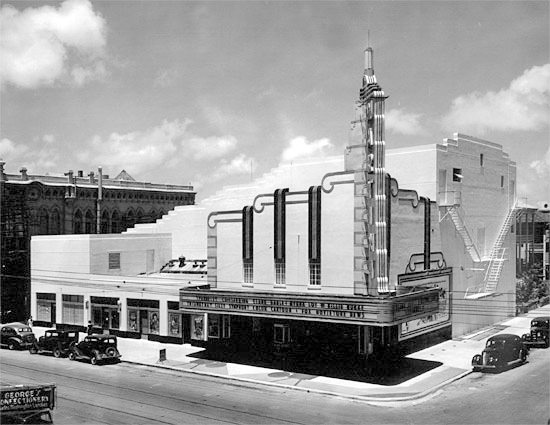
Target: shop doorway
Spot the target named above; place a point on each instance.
(143, 322)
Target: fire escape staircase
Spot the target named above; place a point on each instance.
(460, 225)
(495, 261)
(497, 257)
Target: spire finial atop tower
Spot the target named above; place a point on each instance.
(369, 64)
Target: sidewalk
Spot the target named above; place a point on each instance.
(455, 356)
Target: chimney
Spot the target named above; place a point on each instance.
(91, 176)
(69, 174)
(24, 175)
(80, 173)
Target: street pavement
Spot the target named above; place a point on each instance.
(454, 355)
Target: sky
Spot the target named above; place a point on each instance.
(216, 93)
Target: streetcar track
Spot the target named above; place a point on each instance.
(148, 394)
(80, 401)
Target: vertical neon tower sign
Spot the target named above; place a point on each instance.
(372, 104)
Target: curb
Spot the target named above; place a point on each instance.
(310, 390)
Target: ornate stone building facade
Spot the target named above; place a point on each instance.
(69, 204)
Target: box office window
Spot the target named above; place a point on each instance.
(73, 309)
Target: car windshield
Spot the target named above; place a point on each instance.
(25, 330)
(540, 323)
(495, 343)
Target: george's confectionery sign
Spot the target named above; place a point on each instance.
(26, 398)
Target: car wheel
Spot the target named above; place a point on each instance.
(93, 360)
(111, 351)
(72, 356)
(56, 353)
(33, 350)
(11, 346)
(523, 355)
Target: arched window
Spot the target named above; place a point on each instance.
(77, 223)
(90, 223)
(105, 227)
(55, 223)
(130, 219)
(116, 225)
(140, 216)
(43, 219)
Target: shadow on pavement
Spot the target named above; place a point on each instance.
(378, 371)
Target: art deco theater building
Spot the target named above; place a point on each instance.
(331, 258)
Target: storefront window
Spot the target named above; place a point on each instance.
(153, 322)
(73, 309)
(45, 305)
(115, 319)
(96, 316)
(133, 320)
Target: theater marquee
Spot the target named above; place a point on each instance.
(351, 310)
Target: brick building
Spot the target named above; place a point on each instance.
(69, 204)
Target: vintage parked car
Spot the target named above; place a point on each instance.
(539, 335)
(55, 342)
(501, 351)
(96, 348)
(16, 336)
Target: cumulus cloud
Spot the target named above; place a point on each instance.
(143, 150)
(239, 165)
(400, 122)
(542, 167)
(163, 145)
(524, 105)
(35, 158)
(211, 147)
(168, 145)
(300, 147)
(44, 45)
